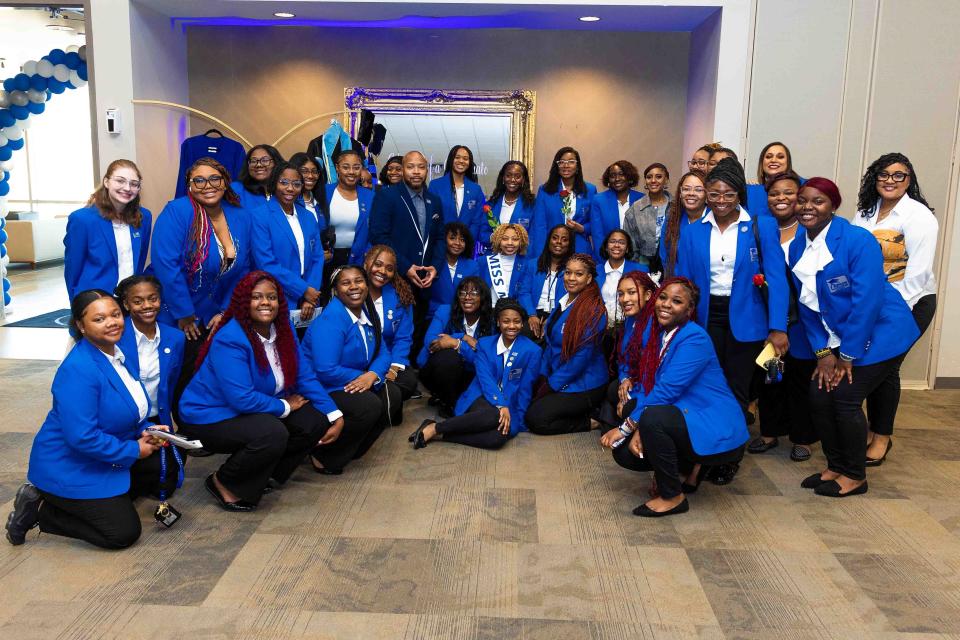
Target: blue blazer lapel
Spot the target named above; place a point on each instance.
(100, 360)
(136, 245)
(746, 254)
(106, 228)
(278, 218)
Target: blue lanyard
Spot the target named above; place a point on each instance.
(163, 471)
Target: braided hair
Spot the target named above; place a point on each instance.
(200, 232)
(868, 196)
(644, 282)
(730, 172)
(402, 287)
(675, 212)
(643, 369)
(239, 312)
(588, 312)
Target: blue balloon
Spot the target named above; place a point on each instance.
(5, 153)
(82, 71)
(72, 60)
(4, 189)
(56, 56)
(3, 238)
(6, 296)
(6, 285)
(8, 85)
(4, 179)
(38, 82)
(21, 81)
(56, 86)
(18, 112)
(36, 107)
(6, 118)
(16, 145)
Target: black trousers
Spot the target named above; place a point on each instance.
(191, 349)
(562, 412)
(364, 419)
(446, 376)
(785, 406)
(838, 418)
(109, 523)
(737, 359)
(608, 411)
(421, 306)
(883, 402)
(478, 427)
(667, 450)
(261, 446)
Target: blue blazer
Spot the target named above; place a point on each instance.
(664, 247)
(397, 326)
(249, 202)
(336, 352)
(858, 304)
(90, 250)
(585, 370)
(750, 320)
(757, 199)
(443, 287)
(361, 234)
(508, 386)
(441, 324)
(547, 215)
(519, 280)
(690, 378)
(88, 442)
(471, 209)
(606, 215)
(522, 215)
(535, 281)
(628, 266)
(229, 383)
(393, 222)
(208, 292)
(276, 250)
(171, 362)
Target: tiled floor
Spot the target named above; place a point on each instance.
(533, 541)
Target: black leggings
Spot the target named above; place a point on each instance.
(364, 419)
(478, 427)
(109, 523)
(446, 375)
(882, 403)
(737, 359)
(563, 412)
(785, 406)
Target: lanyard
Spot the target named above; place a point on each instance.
(163, 471)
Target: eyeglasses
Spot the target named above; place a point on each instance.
(566, 163)
(296, 184)
(469, 293)
(201, 183)
(616, 242)
(133, 185)
(309, 172)
(263, 161)
(697, 163)
(729, 196)
(898, 176)
(696, 190)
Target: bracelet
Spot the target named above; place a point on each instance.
(845, 357)
(823, 353)
(625, 430)
(459, 342)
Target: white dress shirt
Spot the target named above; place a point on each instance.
(470, 329)
(121, 233)
(133, 386)
(273, 357)
(312, 208)
(294, 223)
(546, 302)
(148, 354)
(622, 208)
(565, 302)
(919, 228)
(609, 288)
(504, 352)
(344, 215)
(458, 196)
(452, 268)
(816, 255)
(506, 211)
(723, 252)
(378, 305)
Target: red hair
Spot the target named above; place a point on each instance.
(239, 312)
(635, 345)
(587, 314)
(643, 369)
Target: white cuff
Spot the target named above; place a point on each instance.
(286, 409)
(399, 366)
(333, 416)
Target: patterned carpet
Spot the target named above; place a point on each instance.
(534, 541)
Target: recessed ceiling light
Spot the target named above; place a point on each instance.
(589, 19)
(284, 14)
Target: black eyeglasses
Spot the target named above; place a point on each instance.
(264, 161)
(898, 176)
(469, 293)
(201, 183)
(296, 184)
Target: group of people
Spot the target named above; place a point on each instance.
(282, 321)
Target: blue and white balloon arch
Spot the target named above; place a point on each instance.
(22, 99)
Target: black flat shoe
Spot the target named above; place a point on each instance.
(759, 445)
(724, 473)
(324, 471)
(646, 512)
(832, 489)
(240, 506)
(812, 481)
(876, 462)
(25, 514)
(692, 488)
(799, 453)
(413, 436)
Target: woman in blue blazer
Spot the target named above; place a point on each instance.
(295, 259)
(154, 350)
(614, 249)
(446, 360)
(346, 350)
(573, 370)
(491, 410)
(460, 196)
(505, 269)
(546, 280)
(857, 325)
(512, 201)
(252, 185)
(256, 398)
(565, 198)
(685, 210)
(393, 300)
(610, 206)
(107, 240)
(456, 264)
(92, 455)
(349, 205)
(684, 413)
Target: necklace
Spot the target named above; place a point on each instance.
(788, 227)
(514, 201)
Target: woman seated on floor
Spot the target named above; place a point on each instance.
(92, 455)
(685, 414)
(255, 397)
(492, 409)
(346, 349)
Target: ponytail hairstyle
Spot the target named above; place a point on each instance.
(587, 314)
(368, 306)
(404, 293)
(239, 312)
(78, 307)
(644, 365)
(635, 345)
(120, 292)
(675, 212)
(200, 232)
(100, 198)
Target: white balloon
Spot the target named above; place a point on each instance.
(5, 261)
(83, 53)
(14, 132)
(2, 176)
(6, 165)
(61, 72)
(4, 99)
(35, 95)
(26, 122)
(19, 98)
(45, 68)
(3, 141)
(76, 80)
(30, 67)
(73, 48)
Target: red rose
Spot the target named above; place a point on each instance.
(487, 208)
(759, 280)
(564, 193)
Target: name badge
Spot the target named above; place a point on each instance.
(754, 256)
(838, 284)
(515, 373)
